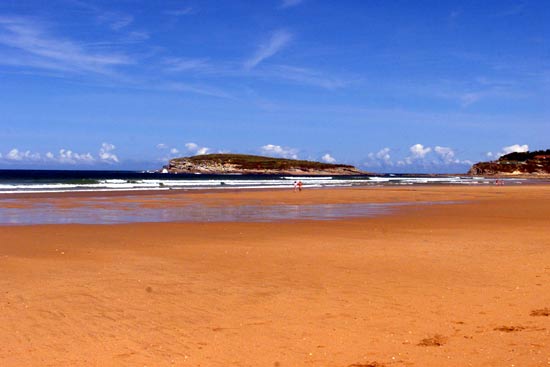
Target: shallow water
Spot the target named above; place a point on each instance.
(115, 213)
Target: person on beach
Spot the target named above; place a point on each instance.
(295, 185)
(300, 185)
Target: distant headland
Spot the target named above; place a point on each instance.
(530, 164)
(253, 164)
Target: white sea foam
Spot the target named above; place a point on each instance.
(229, 182)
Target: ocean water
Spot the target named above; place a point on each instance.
(44, 181)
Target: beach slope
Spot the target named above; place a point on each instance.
(464, 284)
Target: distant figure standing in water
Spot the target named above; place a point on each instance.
(295, 185)
(300, 185)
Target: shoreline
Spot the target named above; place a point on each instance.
(263, 205)
(179, 191)
(142, 186)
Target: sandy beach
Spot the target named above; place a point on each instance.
(461, 284)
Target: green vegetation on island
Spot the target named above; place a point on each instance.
(243, 163)
(536, 163)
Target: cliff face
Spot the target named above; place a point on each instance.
(528, 163)
(250, 164)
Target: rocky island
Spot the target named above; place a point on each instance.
(530, 164)
(253, 164)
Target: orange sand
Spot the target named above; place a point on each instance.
(456, 285)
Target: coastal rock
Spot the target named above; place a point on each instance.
(515, 164)
(252, 164)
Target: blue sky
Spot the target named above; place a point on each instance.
(388, 86)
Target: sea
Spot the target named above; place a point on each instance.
(51, 181)
(15, 185)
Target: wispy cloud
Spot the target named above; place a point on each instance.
(455, 14)
(197, 89)
(511, 11)
(290, 3)
(186, 64)
(304, 76)
(180, 12)
(276, 43)
(116, 21)
(168, 152)
(136, 36)
(33, 46)
(273, 73)
(469, 98)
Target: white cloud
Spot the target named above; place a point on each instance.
(279, 151)
(17, 155)
(70, 157)
(418, 151)
(327, 158)
(420, 158)
(106, 155)
(32, 46)
(168, 152)
(276, 43)
(384, 155)
(191, 146)
(65, 156)
(14, 155)
(446, 154)
(509, 149)
(197, 150)
(290, 3)
(380, 158)
(515, 148)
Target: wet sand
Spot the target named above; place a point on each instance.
(466, 284)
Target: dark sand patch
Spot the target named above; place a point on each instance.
(509, 329)
(435, 341)
(541, 312)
